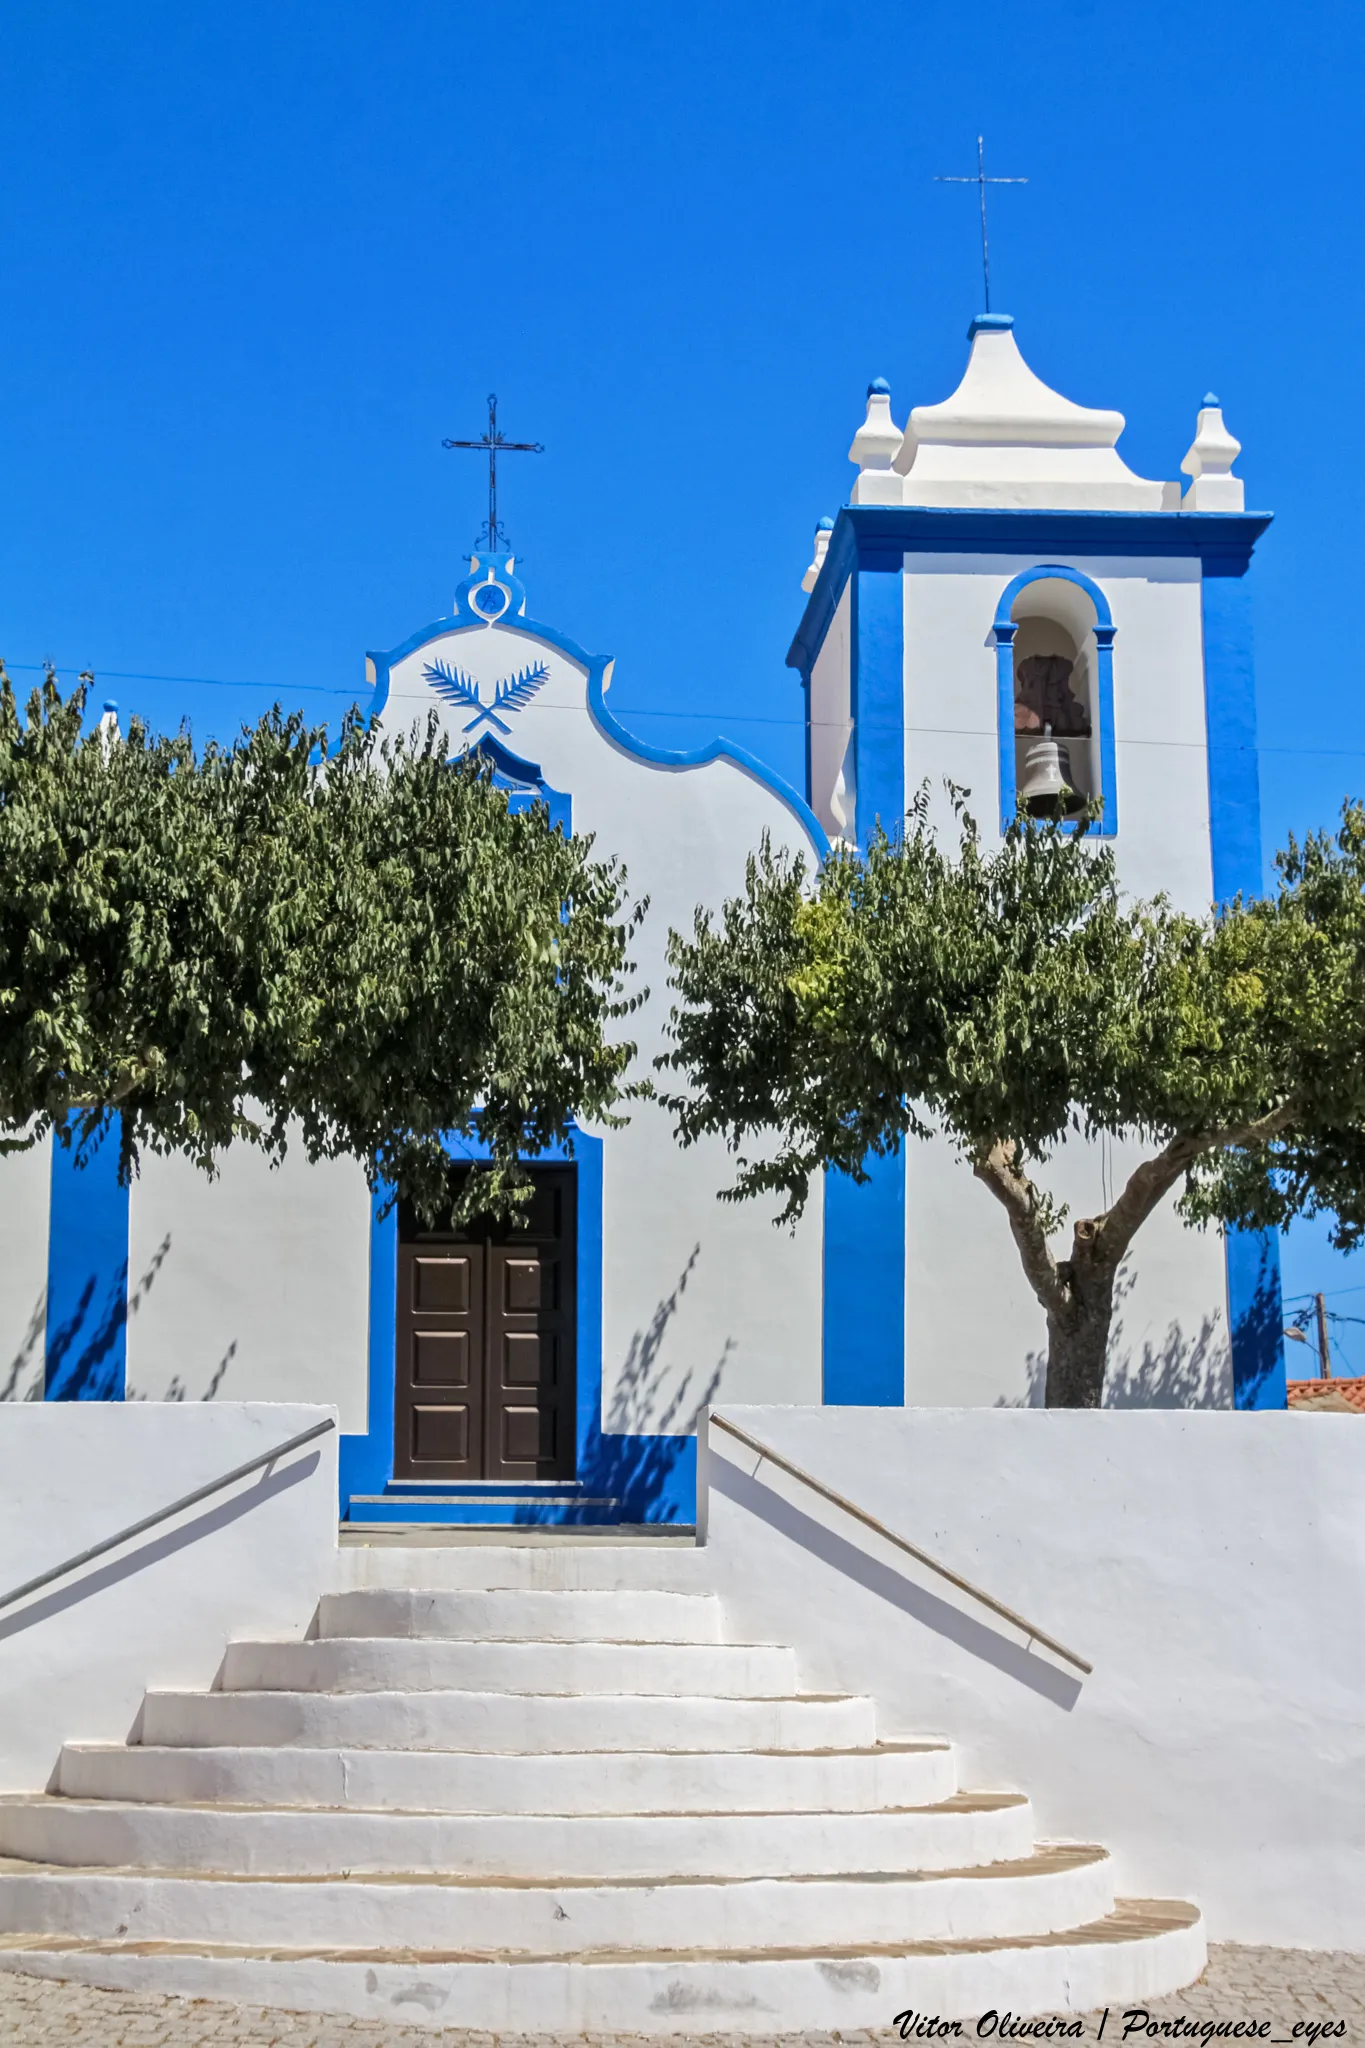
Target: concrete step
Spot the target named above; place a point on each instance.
(1054, 1888)
(903, 1774)
(356, 1664)
(546, 1560)
(1145, 1949)
(506, 1722)
(970, 1828)
(523, 1614)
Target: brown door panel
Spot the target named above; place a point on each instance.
(485, 1351)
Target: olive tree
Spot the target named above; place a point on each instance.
(1009, 996)
(358, 947)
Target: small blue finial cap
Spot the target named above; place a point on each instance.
(111, 704)
(989, 323)
(879, 384)
(825, 525)
(1212, 398)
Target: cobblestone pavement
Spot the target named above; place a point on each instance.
(1283, 1986)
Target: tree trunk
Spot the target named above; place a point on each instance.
(1078, 1324)
(1077, 1294)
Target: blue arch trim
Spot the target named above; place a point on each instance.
(1004, 629)
(511, 767)
(524, 783)
(1049, 572)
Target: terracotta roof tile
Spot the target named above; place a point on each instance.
(1334, 1395)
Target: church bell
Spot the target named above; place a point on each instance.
(1046, 787)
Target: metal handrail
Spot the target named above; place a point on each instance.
(765, 1451)
(59, 1571)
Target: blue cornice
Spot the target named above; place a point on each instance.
(879, 536)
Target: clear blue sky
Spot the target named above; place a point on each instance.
(258, 260)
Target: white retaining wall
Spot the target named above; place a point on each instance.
(1210, 1566)
(76, 1658)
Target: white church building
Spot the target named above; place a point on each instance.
(999, 578)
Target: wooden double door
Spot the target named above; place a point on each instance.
(486, 1322)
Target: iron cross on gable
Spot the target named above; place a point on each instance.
(982, 181)
(495, 442)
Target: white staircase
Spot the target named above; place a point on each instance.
(536, 1789)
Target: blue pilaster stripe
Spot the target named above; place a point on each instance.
(864, 1349)
(864, 1270)
(87, 1274)
(877, 695)
(1253, 1257)
(1230, 717)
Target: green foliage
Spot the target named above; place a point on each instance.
(1314, 931)
(362, 947)
(1007, 996)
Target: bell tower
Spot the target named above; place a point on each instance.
(1005, 604)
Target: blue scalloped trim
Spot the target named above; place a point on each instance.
(611, 728)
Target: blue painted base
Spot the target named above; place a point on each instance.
(632, 1479)
(1257, 1317)
(864, 1328)
(87, 1274)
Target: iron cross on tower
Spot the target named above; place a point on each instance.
(982, 181)
(495, 442)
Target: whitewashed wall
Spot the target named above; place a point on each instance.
(76, 1659)
(25, 1206)
(974, 1330)
(253, 1286)
(831, 719)
(699, 1297)
(1210, 1567)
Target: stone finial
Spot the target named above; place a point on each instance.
(823, 530)
(1209, 462)
(875, 448)
(108, 725)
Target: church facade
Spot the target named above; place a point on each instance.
(1002, 600)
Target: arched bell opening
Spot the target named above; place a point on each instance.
(1056, 696)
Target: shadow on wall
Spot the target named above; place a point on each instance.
(177, 1390)
(75, 1366)
(980, 1639)
(1259, 1334)
(80, 1351)
(98, 1578)
(24, 1378)
(1035, 1391)
(1176, 1371)
(646, 1455)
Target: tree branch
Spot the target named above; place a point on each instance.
(998, 1170)
(1148, 1183)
